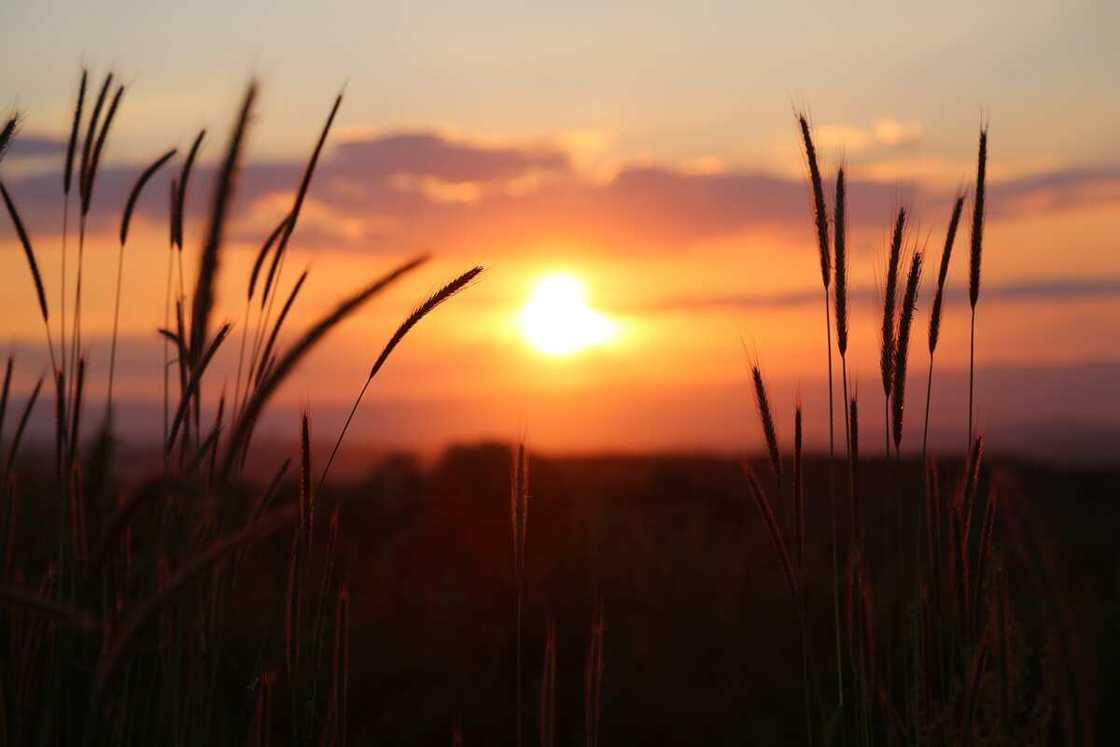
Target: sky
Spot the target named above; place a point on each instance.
(647, 151)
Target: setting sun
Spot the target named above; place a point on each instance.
(558, 321)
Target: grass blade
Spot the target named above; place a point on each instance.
(269, 384)
(180, 194)
(411, 321)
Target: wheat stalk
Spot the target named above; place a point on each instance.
(820, 214)
(976, 246)
(902, 347)
(935, 310)
(766, 420)
(840, 294)
(821, 220)
(887, 336)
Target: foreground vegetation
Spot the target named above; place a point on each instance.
(126, 607)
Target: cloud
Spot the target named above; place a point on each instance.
(1056, 289)
(1054, 191)
(893, 133)
(404, 191)
(882, 134)
(34, 146)
(426, 154)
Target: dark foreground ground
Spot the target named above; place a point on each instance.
(700, 645)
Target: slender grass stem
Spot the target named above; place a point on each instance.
(971, 371)
(833, 506)
(62, 283)
(342, 433)
(113, 341)
(167, 352)
(240, 359)
(76, 328)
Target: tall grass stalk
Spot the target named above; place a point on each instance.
(167, 320)
(209, 261)
(33, 265)
(547, 718)
(840, 298)
(91, 159)
(902, 350)
(421, 311)
(887, 335)
(593, 678)
(126, 220)
(5, 391)
(936, 309)
(241, 431)
(17, 438)
(92, 611)
(820, 217)
(976, 246)
(67, 182)
(253, 276)
(266, 355)
(288, 227)
(519, 519)
(766, 420)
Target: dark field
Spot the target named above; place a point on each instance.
(700, 644)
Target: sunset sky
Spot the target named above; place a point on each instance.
(649, 151)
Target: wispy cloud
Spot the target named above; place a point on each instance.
(399, 190)
(884, 133)
(1052, 290)
(35, 146)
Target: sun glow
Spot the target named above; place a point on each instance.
(557, 320)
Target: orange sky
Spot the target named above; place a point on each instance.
(699, 248)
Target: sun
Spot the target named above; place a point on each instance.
(557, 321)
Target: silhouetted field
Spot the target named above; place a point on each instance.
(700, 645)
